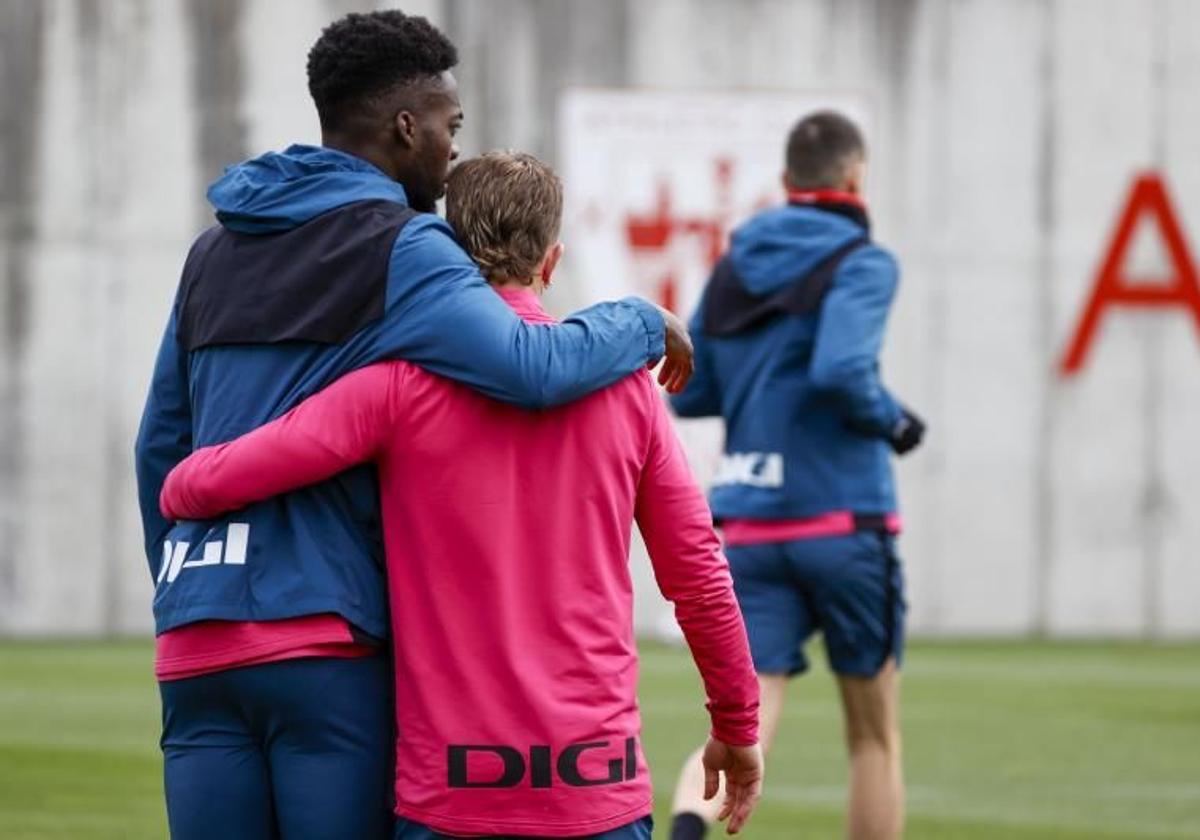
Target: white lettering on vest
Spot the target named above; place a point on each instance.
(756, 469)
(231, 551)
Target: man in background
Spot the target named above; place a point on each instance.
(788, 335)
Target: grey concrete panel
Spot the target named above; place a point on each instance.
(1004, 139)
(21, 57)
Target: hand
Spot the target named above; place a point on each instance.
(743, 769)
(679, 361)
(907, 434)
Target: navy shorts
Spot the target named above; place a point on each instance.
(849, 587)
(640, 830)
(296, 749)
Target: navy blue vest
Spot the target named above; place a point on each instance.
(730, 309)
(267, 319)
(320, 282)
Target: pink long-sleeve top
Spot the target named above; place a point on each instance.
(507, 535)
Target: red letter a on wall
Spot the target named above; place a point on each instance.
(1113, 287)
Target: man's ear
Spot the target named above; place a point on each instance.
(856, 177)
(550, 262)
(787, 183)
(406, 128)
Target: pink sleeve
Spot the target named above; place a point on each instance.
(692, 572)
(331, 431)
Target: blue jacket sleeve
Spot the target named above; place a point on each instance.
(702, 396)
(442, 315)
(845, 360)
(164, 437)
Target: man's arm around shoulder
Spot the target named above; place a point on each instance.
(441, 314)
(348, 423)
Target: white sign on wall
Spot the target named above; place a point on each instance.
(655, 181)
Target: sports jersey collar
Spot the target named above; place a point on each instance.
(526, 303)
(825, 197)
(848, 205)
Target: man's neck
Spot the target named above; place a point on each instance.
(524, 301)
(529, 284)
(825, 196)
(366, 151)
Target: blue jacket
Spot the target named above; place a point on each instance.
(419, 297)
(807, 418)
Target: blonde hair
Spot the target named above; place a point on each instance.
(506, 208)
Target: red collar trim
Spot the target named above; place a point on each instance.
(825, 197)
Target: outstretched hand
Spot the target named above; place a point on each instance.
(743, 769)
(679, 361)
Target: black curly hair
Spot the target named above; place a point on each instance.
(362, 56)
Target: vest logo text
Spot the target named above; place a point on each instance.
(756, 469)
(231, 552)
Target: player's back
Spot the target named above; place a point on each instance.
(787, 385)
(508, 536)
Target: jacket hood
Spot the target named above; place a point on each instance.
(777, 246)
(282, 190)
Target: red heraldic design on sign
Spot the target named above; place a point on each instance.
(1114, 288)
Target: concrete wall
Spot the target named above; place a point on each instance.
(1006, 134)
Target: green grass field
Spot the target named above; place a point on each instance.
(1002, 740)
